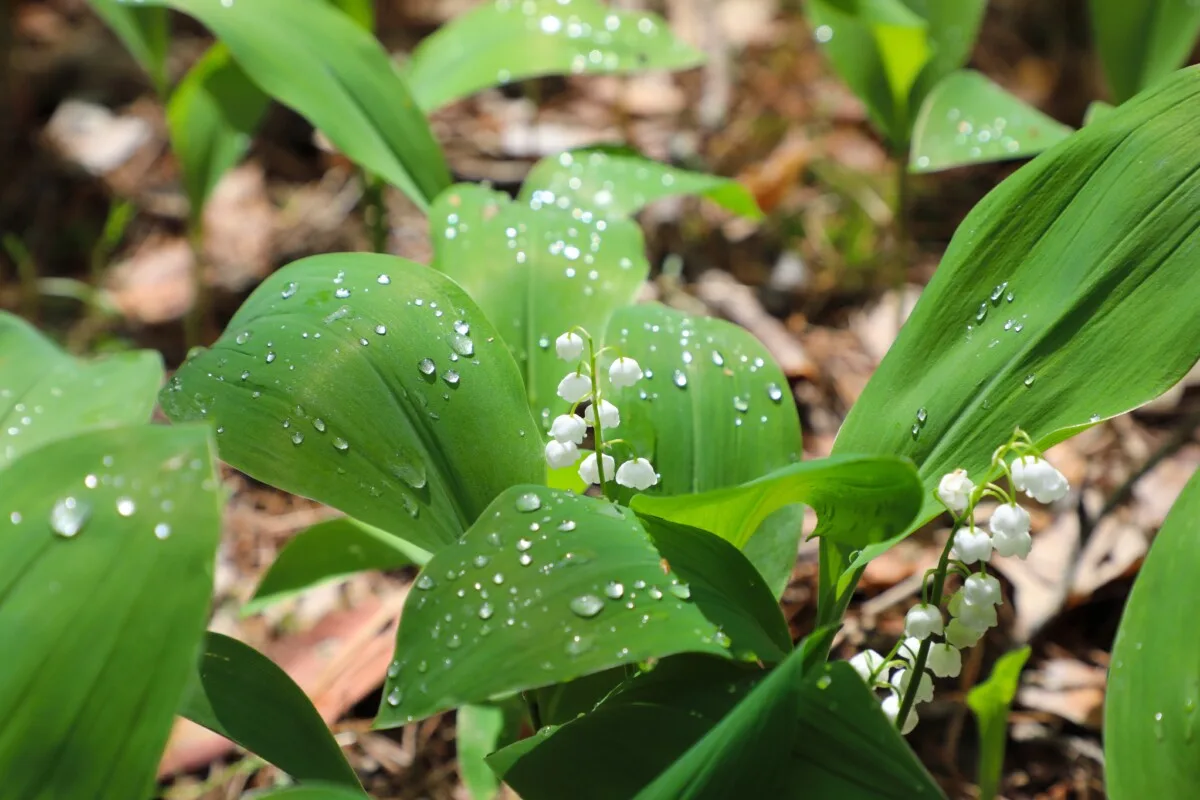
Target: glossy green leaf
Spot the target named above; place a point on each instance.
(773, 546)
(241, 694)
(313, 58)
(372, 384)
(145, 32)
(800, 732)
(106, 554)
(991, 701)
(1054, 307)
(537, 273)
(968, 119)
(618, 183)
(361, 11)
(858, 500)
(1150, 706)
(46, 394)
(310, 792)
(331, 549)
(642, 727)
(212, 116)
(713, 409)
(549, 586)
(507, 40)
(1096, 110)
(1142, 43)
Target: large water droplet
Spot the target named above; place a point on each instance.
(680, 590)
(384, 279)
(615, 590)
(774, 392)
(1029, 379)
(426, 366)
(587, 605)
(341, 292)
(486, 611)
(69, 515)
(529, 501)
(679, 379)
(718, 359)
(451, 377)
(426, 581)
(242, 337)
(461, 327)
(297, 437)
(393, 698)
(741, 404)
(463, 345)
(341, 444)
(289, 290)
(393, 669)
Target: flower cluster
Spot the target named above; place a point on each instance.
(567, 431)
(973, 606)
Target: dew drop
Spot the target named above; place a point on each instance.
(718, 359)
(566, 526)
(297, 437)
(319, 424)
(463, 345)
(525, 559)
(681, 590)
(922, 415)
(393, 669)
(393, 698)
(998, 292)
(242, 337)
(529, 501)
(126, 506)
(615, 590)
(981, 314)
(679, 379)
(451, 377)
(162, 530)
(655, 593)
(741, 404)
(289, 290)
(381, 329)
(774, 392)
(586, 605)
(486, 611)
(480, 561)
(426, 366)
(270, 356)
(523, 544)
(68, 516)
(341, 293)
(341, 444)
(461, 327)
(578, 645)
(426, 582)
(1029, 379)
(384, 279)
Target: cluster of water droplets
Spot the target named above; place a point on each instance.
(524, 569)
(979, 137)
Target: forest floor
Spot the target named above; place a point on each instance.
(824, 281)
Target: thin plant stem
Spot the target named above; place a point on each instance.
(195, 322)
(597, 427)
(376, 212)
(918, 667)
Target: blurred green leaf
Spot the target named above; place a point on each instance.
(46, 395)
(1096, 110)
(509, 40)
(1151, 703)
(614, 183)
(991, 701)
(478, 731)
(1054, 307)
(361, 11)
(313, 58)
(369, 383)
(773, 546)
(327, 550)
(953, 29)
(967, 119)
(242, 695)
(1142, 43)
(537, 273)
(549, 586)
(309, 792)
(145, 32)
(106, 558)
(212, 116)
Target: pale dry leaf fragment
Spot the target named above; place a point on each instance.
(736, 302)
(154, 284)
(93, 137)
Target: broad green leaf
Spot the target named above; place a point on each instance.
(1150, 705)
(145, 32)
(772, 548)
(328, 550)
(811, 732)
(549, 586)
(1054, 307)
(46, 394)
(713, 409)
(361, 11)
(212, 116)
(991, 701)
(106, 554)
(615, 183)
(859, 500)
(967, 119)
(636, 733)
(242, 695)
(537, 273)
(904, 51)
(310, 792)
(313, 58)
(953, 29)
(372, 384)
(507, 40)
(1142, 43)
(1096, 110)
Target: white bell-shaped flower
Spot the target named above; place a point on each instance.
(575, 387)
(1039, 480)
(589, 470)
(974, 615)
(624, 372)
(561, 454)
(971, 545)
(1009, 519)
(922, 621)
(909, 649)
(982, 589)
(568, 428)
(610, 416)
(891, 709)
(569, 346)
(954, 490)
(637, 473)
(961, 635)
(1018, 544)
(944, 661)
(867, 663)
(901, 678)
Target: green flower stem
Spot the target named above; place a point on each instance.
(918, 667)
(596, 414)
